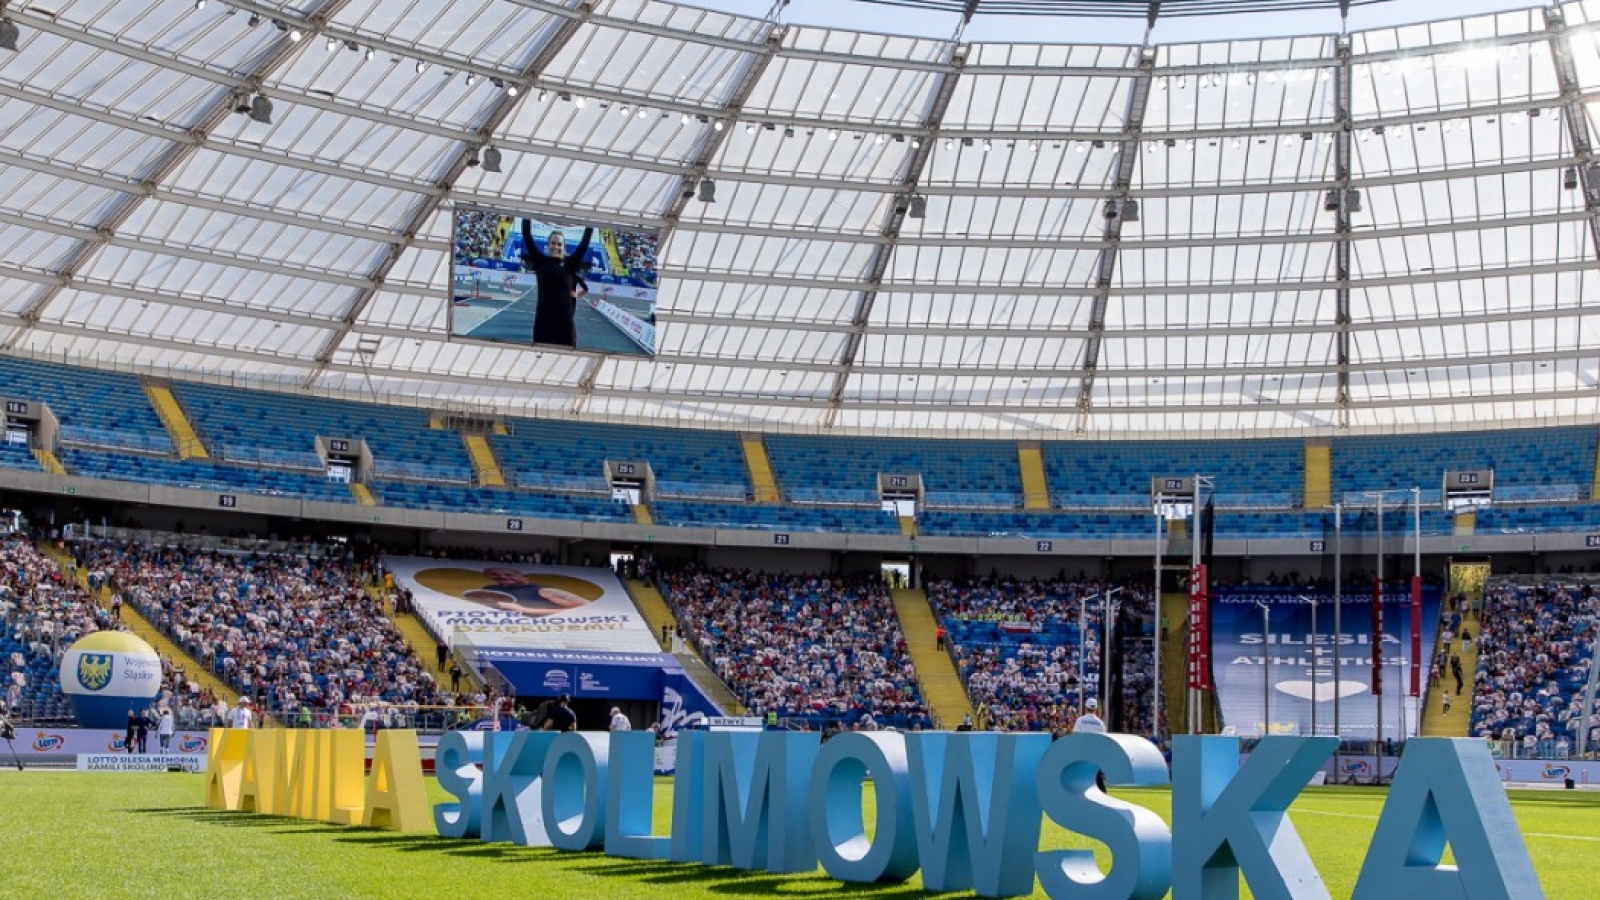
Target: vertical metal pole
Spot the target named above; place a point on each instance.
(1266, 670)
(1105, 655)
(1377, 648)
(1416, 607)
(1338, 628)
(1314, 650)
(1083, 640)
(1195, 538)
(1155, 718)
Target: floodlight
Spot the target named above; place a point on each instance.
(708, 191)
(491, 160)
(9, 33)
(261, 109)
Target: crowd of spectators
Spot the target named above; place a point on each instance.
(297, 634)
(1015, 643)
(1536, 644)
(43, 611)
(477, 236)
(813, 650)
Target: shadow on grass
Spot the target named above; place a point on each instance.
(715, 879)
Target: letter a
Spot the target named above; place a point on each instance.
(1446, 789)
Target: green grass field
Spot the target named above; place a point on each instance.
(68, 835)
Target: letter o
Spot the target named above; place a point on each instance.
(574, 795)
(837, 830)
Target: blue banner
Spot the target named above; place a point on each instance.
(1298, 674)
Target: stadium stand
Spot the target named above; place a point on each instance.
(42, 612)
(96, 408)
(289, 631)
(687, 463)
(267, 428)
(817, 651)
(856, 519)
(1536, 647)
(844, 469)
(1094, 474)
(1519, 457)
(1016, 645)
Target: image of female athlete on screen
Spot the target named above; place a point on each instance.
(560, 285)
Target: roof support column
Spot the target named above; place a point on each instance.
(1119, 208)
(1586, 177)
(905, 198)
(1342, 201)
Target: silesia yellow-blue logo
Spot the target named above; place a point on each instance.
(94, 670)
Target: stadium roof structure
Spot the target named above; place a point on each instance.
(1383, 230)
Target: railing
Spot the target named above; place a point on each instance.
(993, 500)
(153, 537)
(1556, 749)
(834, 496)
(270, 457)
(108, 439)
(575, 484)
(412, 471)
(1539, 493)
(1103, 501)
(689, 490)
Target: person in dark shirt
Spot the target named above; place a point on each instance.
(560, 285)
(561, 717)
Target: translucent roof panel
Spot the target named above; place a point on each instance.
(927, 235)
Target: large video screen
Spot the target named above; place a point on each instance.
(523, 280)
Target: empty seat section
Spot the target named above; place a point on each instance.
(551, 455)
(492, 501)
(202, 475)
(855, 519)
(845, 469)
(1550, 458)
(97, 408)
(1085, 524)
(267, 428)
(1116, 474)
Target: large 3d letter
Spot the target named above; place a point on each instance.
(1447, 791)
(346, 764)
(512, 766)
(1228, 819)
(260, 772)
(1140, 843)
(305, 794)
(838, 833)
(224, 767)
(455, 762)
(976, 810)
(688, 797)
(574, 799)
(755, 796)
(630, 798)
(395, 797)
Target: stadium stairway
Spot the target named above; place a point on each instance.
(760, 466)
(657, 614)
(48, 461)
(641, 515)
(1434, 722)
(908, 526)
(362, 494)
(1035, 487)
(941, 684)
(1466, 523)
(184, 438)
(483, 461)
(422, 643)
(140, 626)
(1319, 474)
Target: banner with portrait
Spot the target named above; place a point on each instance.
(492, 605)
